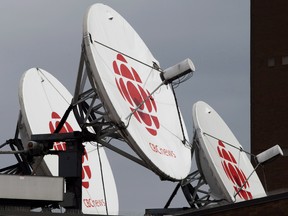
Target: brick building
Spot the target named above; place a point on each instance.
(269, 86)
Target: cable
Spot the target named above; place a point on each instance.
(40, 71)
(102, 178)
(231, 145)
(67, 112)
(244, 183)
(154, 67)
(145, 99)
(137, 60)
(179, 116)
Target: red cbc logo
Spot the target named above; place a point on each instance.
(233, 172)
(86, 171)
(61, 146)
(131, 88)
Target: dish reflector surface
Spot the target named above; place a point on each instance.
(223, 164)
(43, 101)
(123, 74)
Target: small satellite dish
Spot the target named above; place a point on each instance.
(128, 80)
(221, 158)
(43, 101)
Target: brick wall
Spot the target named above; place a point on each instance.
(269, 85)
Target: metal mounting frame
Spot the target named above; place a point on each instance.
(194, 186)
(197, 195)
(87, 106)
(23, 160)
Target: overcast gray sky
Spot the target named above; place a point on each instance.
(215, 34)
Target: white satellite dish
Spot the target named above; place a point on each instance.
(43, 101)
(124, 73)
(226, 168)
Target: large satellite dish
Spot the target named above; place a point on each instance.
(43, 102)
(124, 73)
(222, 161)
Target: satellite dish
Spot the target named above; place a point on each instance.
(43, 101)
(221, 158)
(127, 78)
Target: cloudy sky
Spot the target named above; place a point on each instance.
(213, 33)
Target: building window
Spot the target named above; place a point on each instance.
(285, 60)
(271, 62)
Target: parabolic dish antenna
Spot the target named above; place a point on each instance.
(43, 101)
(225, 166)
(125, 74)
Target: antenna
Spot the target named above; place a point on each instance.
(222, 164)
(221, 159)
(120, 92)
(181, 69)
(269, 154)
(43, 102)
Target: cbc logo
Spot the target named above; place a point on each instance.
(86, 171)
(53, 124)
(61, 146)
(131, 88)
(233, 172)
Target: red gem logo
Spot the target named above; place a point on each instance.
(233, 172)
(86, 171)
(61, 146)
(133, 92)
